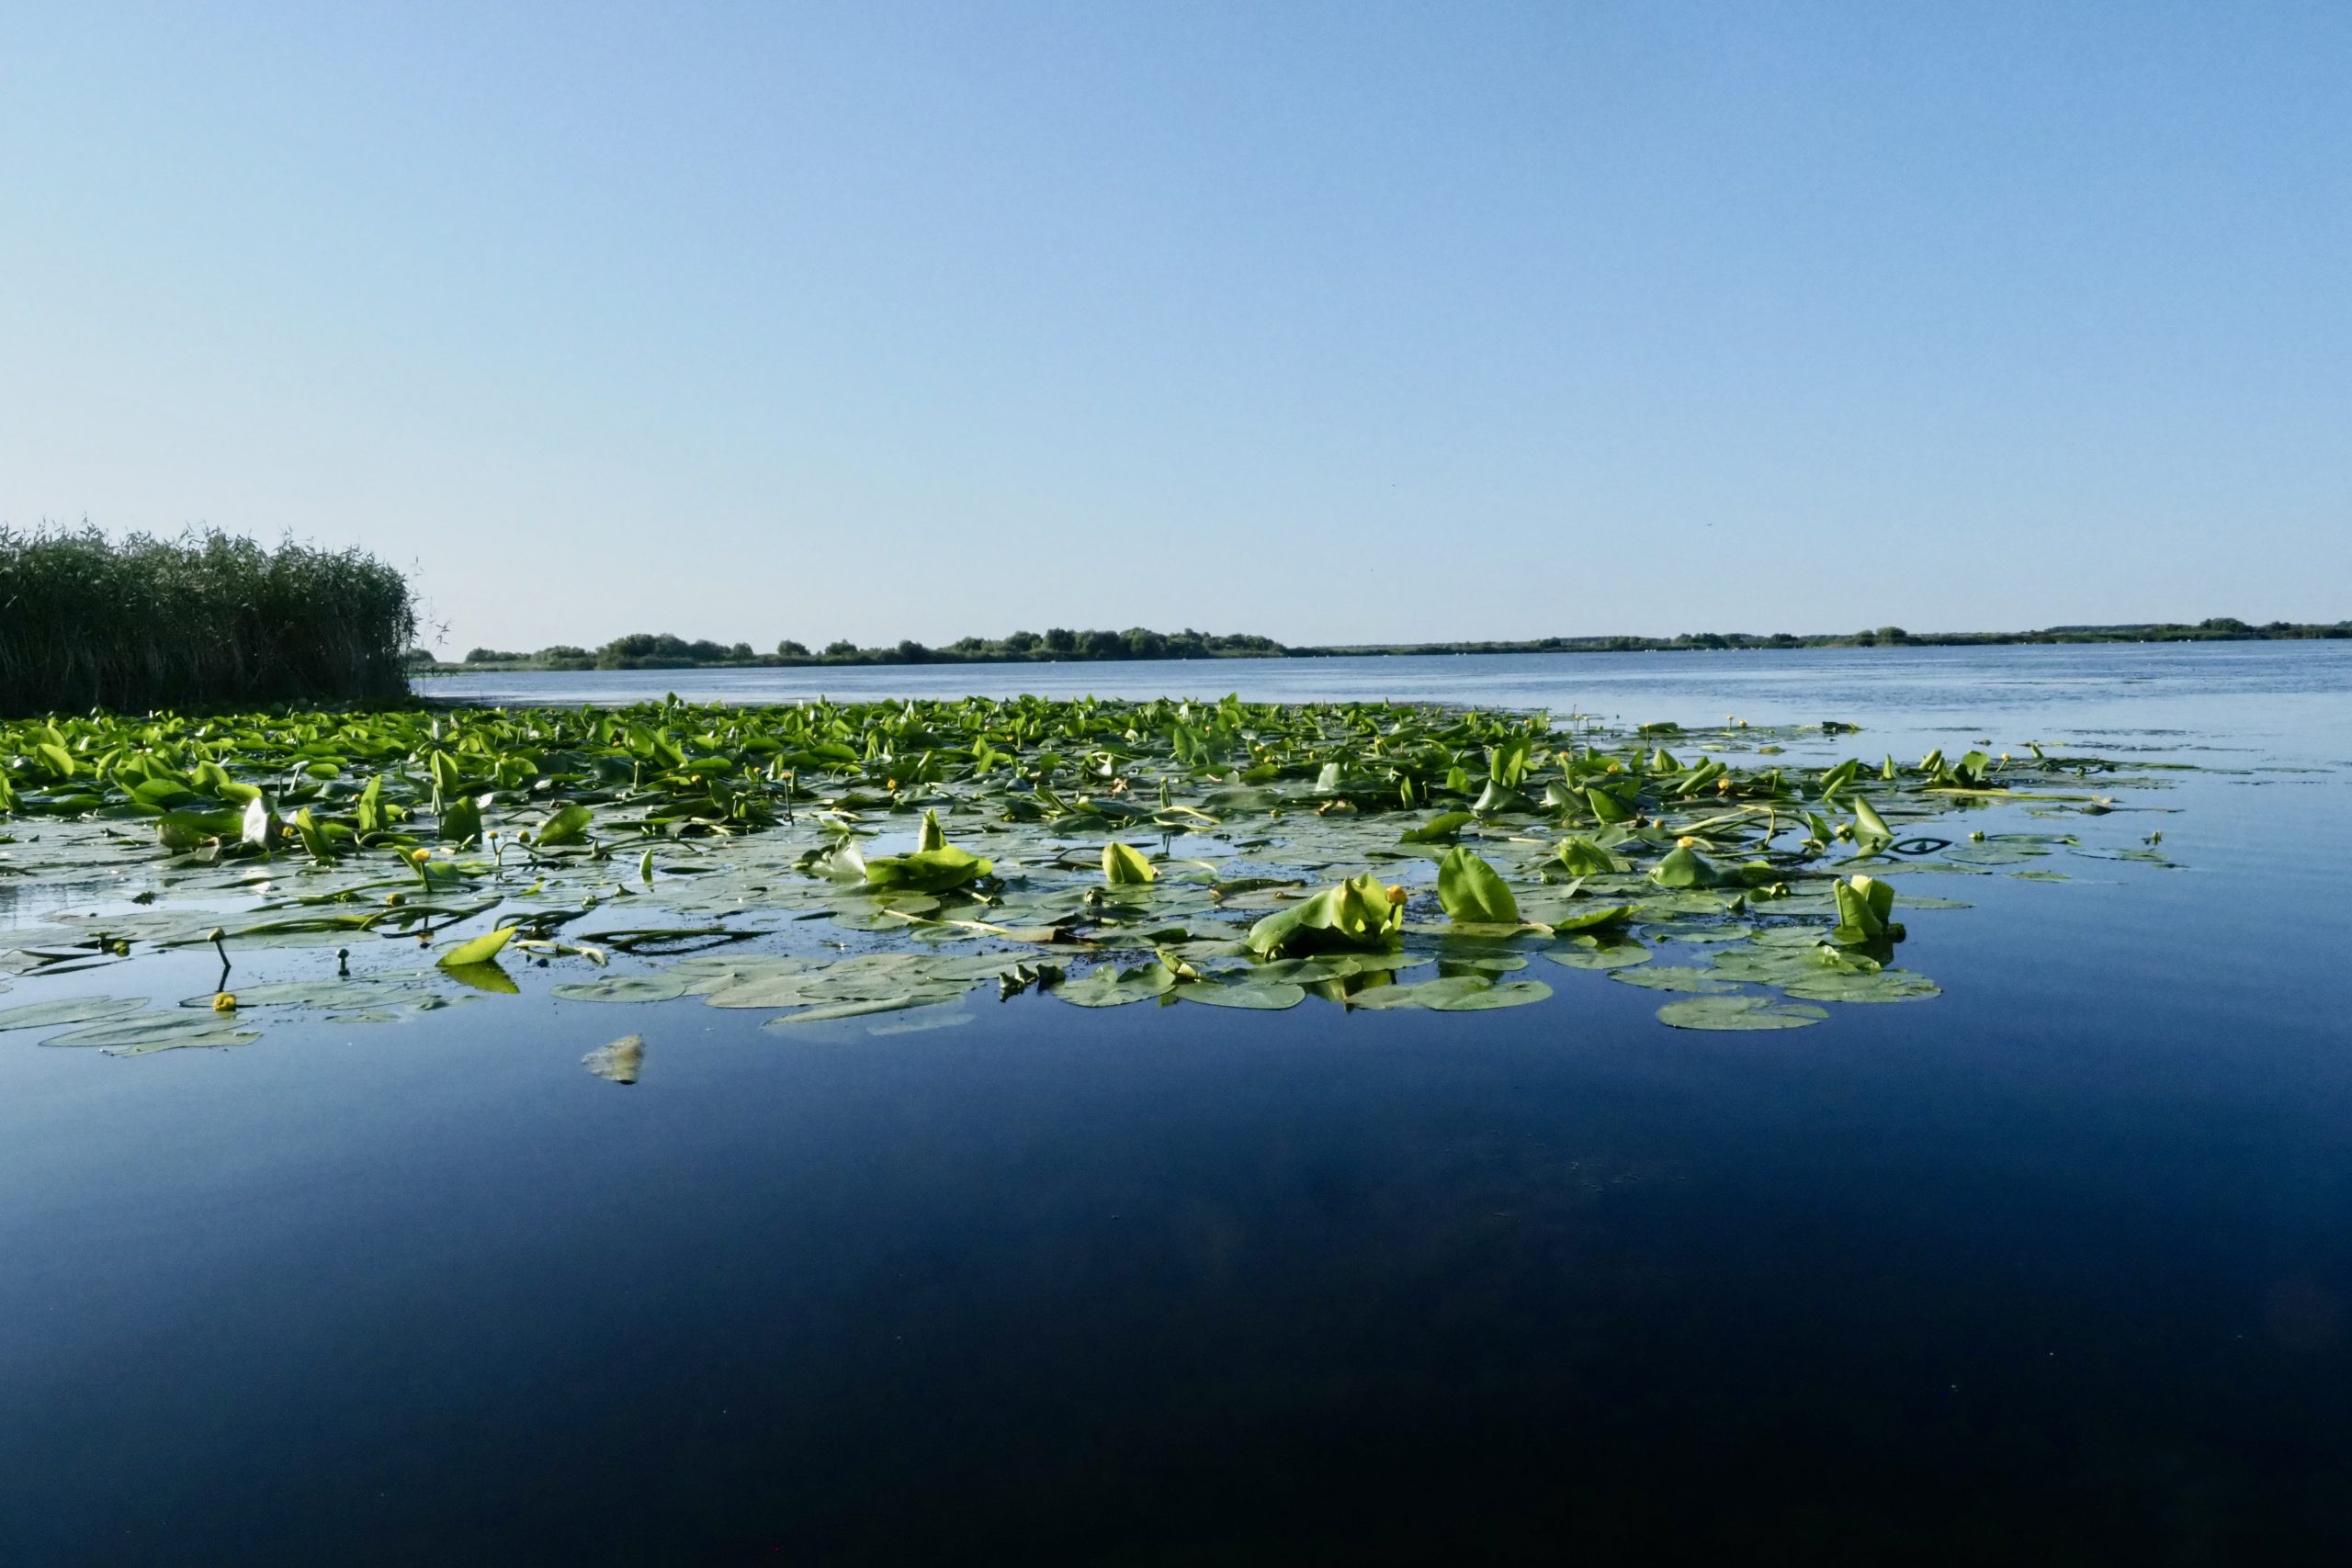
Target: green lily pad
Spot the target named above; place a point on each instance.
(1501, 994)
(1698, 934)
(1670, 977)
(1734, 1012)
(827, 1012)
(149, 1029)
(68, 1009)
(326, 995)
(922, 1021)
(1261, 995)
(1331, 966)
(1487, 963)
(1106, 985)
(1587, 955)
(625, 988)
(1590, 917)
(1827, 985)
(1426, 994)
(207, 1040)
(1803, 937)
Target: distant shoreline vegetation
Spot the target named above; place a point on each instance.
(662, 650)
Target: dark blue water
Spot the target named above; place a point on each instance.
(2055, 1268)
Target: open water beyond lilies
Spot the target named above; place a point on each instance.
(1564, 1105)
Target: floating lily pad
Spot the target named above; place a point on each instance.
(1804, 937)
(921, 1022)
(1733, 1012)
(1698, 934)
(147, 1029)
(1501, 994)
(1599, 955)
(1490, 965)
(68, 1009)
(1670, 977)
(827, 1012)
(1425, 994)
(1331, 966)
(326, 995)
(203, 1039)
(1882, 986)
(1107, 986)
(625, 988)
(1263, 996)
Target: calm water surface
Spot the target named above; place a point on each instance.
(2055, 1268)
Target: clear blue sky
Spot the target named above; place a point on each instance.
(1333, 323)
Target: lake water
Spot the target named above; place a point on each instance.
(2054, 1268)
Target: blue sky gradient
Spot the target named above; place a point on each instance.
(1335, 323)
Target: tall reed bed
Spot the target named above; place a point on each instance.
(205, 618)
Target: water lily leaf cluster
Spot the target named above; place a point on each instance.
(825, 861)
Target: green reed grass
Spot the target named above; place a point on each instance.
(206, 618)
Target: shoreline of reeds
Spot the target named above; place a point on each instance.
(203, 620)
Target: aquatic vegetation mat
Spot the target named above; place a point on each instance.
(823, 862)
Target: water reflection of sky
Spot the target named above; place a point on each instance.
(2297, 697)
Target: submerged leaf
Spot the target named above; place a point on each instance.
(618, 1062)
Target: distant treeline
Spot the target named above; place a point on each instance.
(660, 650)
(646, 651)
(2220, 628)
(205, 619)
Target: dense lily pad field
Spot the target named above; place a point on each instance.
(829, 861)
